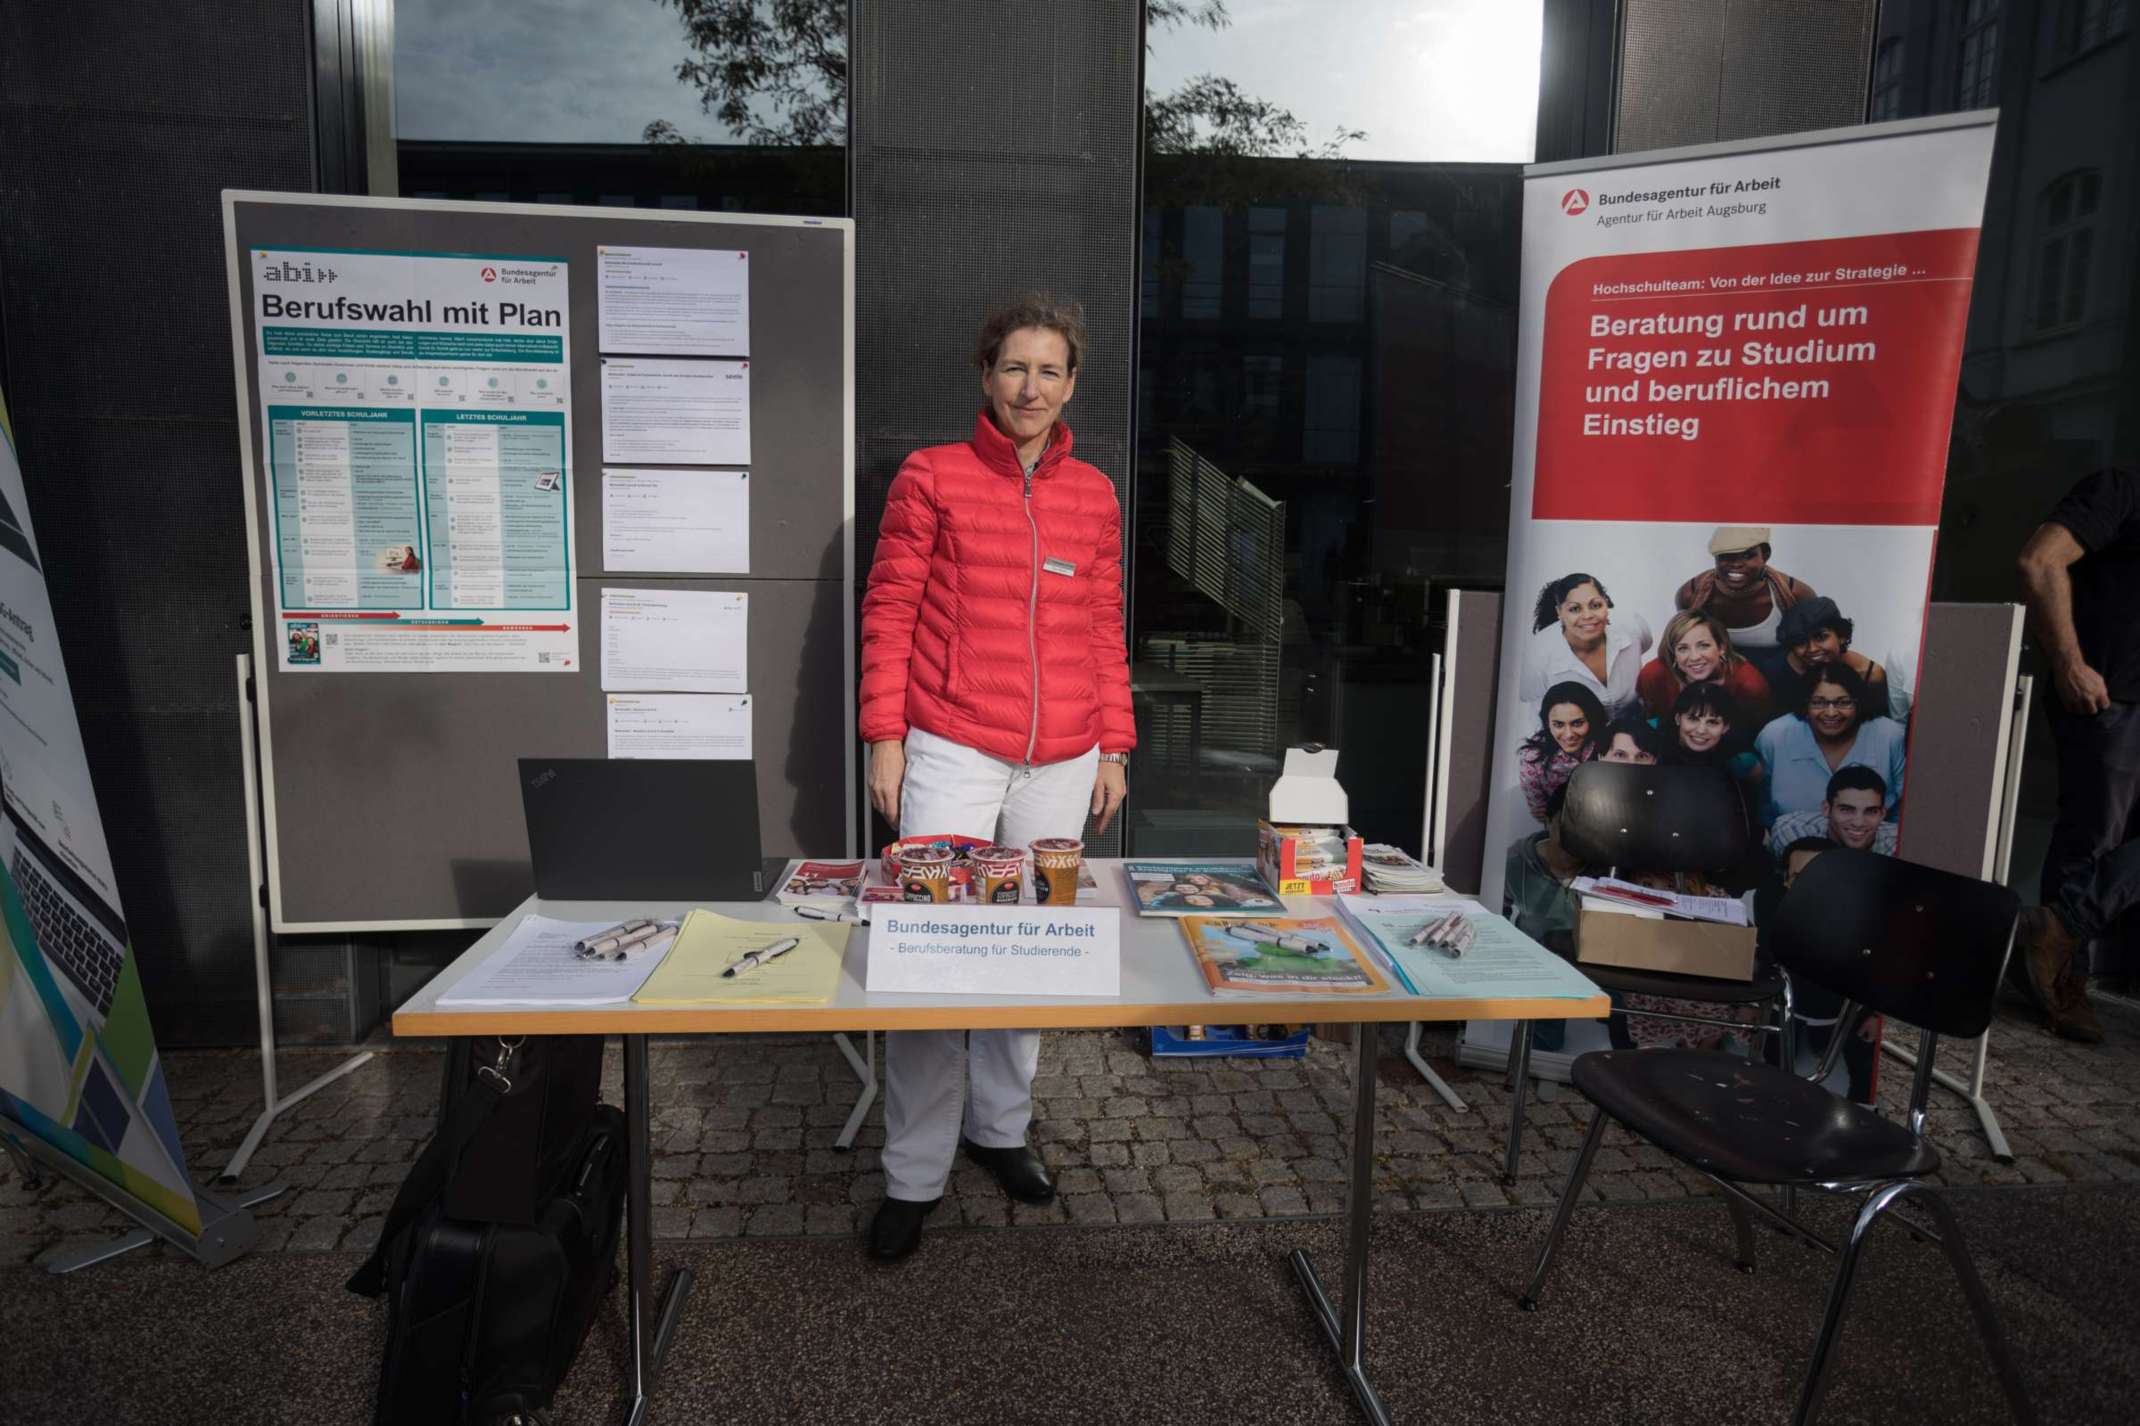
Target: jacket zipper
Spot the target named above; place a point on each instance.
(1032, 619)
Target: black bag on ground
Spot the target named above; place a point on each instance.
(502, 1241)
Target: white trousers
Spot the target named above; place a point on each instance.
(951, 789)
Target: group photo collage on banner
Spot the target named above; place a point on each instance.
(1736, 374)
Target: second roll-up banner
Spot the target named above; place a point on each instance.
(1736, 372)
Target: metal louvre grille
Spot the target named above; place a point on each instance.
(993, 146)
(119, 126)
(1695, 71)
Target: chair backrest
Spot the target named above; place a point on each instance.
(1644, 818)
(1923, 945)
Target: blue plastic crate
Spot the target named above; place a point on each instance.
(1232, 1040)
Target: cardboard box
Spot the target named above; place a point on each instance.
(1308, 861)
(1610, 936)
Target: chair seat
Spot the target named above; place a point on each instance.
(1747, 1122)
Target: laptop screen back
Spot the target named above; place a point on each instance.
(642, 829)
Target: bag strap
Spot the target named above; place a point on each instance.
(428, 1176)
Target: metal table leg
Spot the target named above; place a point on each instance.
(1346, 1326)
(646, 1353)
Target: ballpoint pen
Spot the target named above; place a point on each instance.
(1279, 940)
(763, 954)
(818, 913)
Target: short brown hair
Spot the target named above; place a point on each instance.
(1061, 315)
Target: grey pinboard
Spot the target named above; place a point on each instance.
(392, 800)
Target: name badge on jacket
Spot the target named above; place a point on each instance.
(1062, 567)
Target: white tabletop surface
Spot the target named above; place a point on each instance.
(1160, 986)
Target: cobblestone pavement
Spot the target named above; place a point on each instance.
(744, 1131)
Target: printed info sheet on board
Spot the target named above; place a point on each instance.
(417, 423)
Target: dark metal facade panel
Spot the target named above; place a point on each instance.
(119, 127)
(994, 149)
(1698, 71)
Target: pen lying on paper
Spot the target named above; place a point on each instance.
(1452, 933)
(625, 940)
(759, 957)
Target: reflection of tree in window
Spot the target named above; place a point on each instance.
(1976, 82)
(2069, 208)
(1887, 81)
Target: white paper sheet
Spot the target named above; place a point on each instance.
(679, 725)
(669, 412)
(674, 301)
(1724, 909)
(681, 521)
(675, 641)
(537, 965)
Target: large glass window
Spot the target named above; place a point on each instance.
(624, 103)
(1327, 352)
(2068, 248)
(1977, 75)
(1887, 81)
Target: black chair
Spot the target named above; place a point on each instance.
(1922, 946)
(1657, 819)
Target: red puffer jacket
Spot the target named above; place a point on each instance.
(994, 612)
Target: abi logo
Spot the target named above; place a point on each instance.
(1574, 201)
(490, 274)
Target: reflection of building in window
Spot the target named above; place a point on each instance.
(1976, 80)
(1226, 540)
(1333, 416)
(2087, 23)
(2069, 208)
(1151, 265)
(1203, 249)
(1337, 263)
(1887, 81)
(1266, 263)
(1260, 379)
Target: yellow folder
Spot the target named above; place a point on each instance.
(708, 944)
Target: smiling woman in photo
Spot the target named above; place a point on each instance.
(1576, 638)
(1835, 727)
(1696, 648)
(1571, 731)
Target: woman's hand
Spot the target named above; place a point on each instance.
(1108, 790)
(887, 770)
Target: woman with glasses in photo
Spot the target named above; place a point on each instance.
(1838, 724)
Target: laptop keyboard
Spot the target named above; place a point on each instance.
(80, 948)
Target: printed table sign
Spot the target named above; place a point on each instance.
(995, 950)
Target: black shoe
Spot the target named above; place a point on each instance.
(896, 1230)
(1020, 1171)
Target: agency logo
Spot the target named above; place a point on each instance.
(490, 274)
(1574, 201)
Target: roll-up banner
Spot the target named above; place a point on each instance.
(78, 1061)
(1736, 371)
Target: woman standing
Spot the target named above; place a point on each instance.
(995, 701)
(1836, 726)
(1575, 639)
(1696, 648)
(1571, 731)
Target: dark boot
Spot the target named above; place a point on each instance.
(2043, 950)
(2072, 1014)
(896, 1230)
(1020, 1172)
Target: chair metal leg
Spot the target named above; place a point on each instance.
(2002, 1359)
(1519, 1060)
(1568, 1199)
(1742, 1227)
(1831, 1326)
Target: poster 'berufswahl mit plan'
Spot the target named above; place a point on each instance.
(416, 414)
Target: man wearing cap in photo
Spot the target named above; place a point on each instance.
(1815, 632)
(1748, 593)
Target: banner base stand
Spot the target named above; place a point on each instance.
(228, 1231)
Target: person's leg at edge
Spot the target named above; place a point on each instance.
(949, 791)
(2087, 883)
(1052, 800)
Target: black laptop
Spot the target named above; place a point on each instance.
(642, 829)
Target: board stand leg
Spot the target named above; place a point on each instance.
(1346, 1324)
(649, 1332)
(1426, 1071)
(272, 1104)
(865, 1068)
